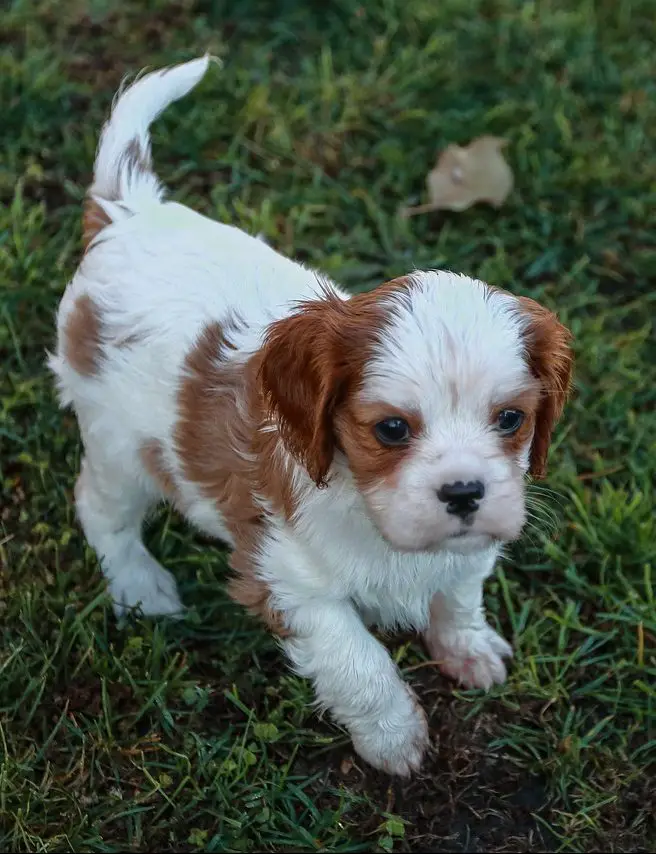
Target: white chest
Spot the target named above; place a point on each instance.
(337, 552)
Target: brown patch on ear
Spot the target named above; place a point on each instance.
(83, 337)
(300, 378)
(551, 360)
(310, 361)
(94, 219)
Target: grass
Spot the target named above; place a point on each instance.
(322, 123)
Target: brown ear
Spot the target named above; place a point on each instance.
(300, 378)
(550, 359)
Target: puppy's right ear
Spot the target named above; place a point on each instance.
(300, 381)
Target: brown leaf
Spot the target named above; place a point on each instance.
(464, 176)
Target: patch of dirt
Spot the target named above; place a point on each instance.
(466, 797)
(86, 696)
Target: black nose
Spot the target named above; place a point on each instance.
(460, 498)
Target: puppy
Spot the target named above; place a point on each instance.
(363, 456)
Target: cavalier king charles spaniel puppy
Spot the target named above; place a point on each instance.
(364, 457)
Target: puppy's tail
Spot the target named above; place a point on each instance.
(123, 177)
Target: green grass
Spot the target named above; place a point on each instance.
(322, 123)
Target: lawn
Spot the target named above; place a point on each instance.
(322, 123)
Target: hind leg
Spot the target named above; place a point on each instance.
(111, 504)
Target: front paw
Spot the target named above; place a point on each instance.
(397, 742)
(145, 586)
(473, 657)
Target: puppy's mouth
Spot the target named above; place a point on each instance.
(466, 534)
(467, 541)
(464, 540)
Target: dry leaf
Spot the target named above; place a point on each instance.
(464, 176)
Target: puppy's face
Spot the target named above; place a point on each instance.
(435, 394)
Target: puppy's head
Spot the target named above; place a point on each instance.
(435, 394)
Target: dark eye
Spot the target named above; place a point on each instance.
(509, 421)
(392, 431)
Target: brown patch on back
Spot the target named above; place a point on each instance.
(223, 452)
(94, 219)
(83, 337)
(551, 360)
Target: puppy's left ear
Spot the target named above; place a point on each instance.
(550, 358)
(300, 379)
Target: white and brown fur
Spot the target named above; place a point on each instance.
(208, 370)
